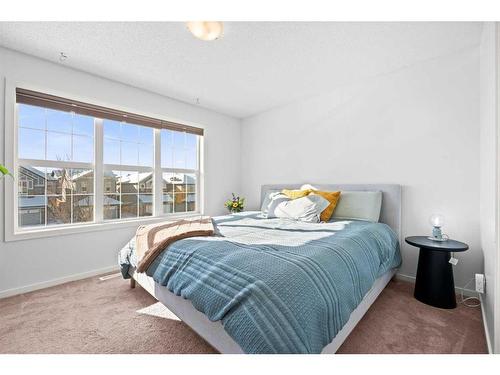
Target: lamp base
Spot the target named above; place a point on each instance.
(437, 239)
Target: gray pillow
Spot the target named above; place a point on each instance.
(306, 209)
(267, 199)
(276, 199)
(360, 205)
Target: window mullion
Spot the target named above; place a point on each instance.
(98, 171)
(54, 164)
(179, 170)
(158, 175)
(119, 167)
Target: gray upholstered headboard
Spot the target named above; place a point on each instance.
(390, 213)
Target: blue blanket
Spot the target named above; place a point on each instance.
(277, 286)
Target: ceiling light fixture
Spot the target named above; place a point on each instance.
(205, 30)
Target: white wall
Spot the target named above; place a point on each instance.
(27, 262)
(488, 170)
(417, 127)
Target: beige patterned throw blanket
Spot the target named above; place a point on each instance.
(151, 240)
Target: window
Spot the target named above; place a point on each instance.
(128, 160)
(78, 163)
(179, 162)
(54, 148)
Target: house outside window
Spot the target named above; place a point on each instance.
(25, 186)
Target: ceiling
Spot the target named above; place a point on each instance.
(255, 66)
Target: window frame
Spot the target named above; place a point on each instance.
(14, 232)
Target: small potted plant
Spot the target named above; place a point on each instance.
(4, 171)
(236, 204)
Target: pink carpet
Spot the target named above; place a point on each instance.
(93, 316)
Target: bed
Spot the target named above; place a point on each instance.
(277, 286)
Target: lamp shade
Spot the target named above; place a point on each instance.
(437, 220)
(205, 30)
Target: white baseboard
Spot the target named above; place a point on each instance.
(485, 324)
(53, 282)
(458, 290)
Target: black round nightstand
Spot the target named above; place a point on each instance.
(434, 285)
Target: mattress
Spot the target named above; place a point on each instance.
(277, 286)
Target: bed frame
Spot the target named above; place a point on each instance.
(214, 333)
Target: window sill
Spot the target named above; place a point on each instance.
(28, 234)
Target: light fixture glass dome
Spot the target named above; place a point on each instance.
(437, 220)
(205, 30)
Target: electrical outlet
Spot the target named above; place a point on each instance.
(480, 281)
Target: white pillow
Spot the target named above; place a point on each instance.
(306, 209)
(267, 199)
(275, 199)
(308, 187)
(360, 205)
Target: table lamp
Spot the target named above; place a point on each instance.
(437, 221)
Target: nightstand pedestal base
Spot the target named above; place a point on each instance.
(434, 284)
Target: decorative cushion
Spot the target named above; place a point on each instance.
(333, 198)
(306, 209)
(295, 194)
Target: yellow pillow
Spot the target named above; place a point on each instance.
(294, 194)
(333, 198)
